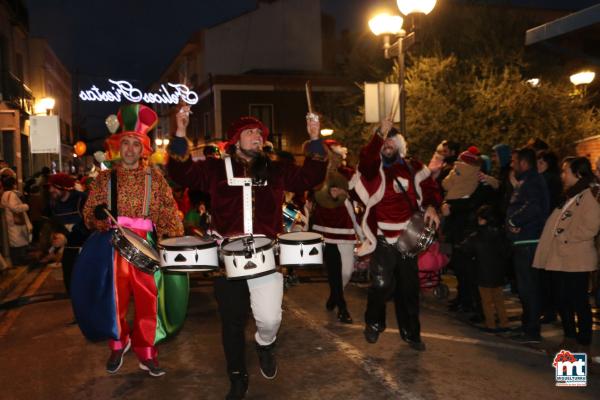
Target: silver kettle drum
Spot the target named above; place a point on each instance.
(417, 237)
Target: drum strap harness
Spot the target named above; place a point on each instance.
(412, 181)
(247, 184)
(113, 192)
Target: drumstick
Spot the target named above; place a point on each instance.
(308, 88)
(114, 221)
(394, 108)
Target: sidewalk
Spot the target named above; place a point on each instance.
(10, 278)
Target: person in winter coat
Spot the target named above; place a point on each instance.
(525, 218)
(489, 248)
(567, 248)
(17, 221)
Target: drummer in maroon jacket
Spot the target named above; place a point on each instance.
(393, 188)
(263, 294)
(332, 215)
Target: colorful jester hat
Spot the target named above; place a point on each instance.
(135, 120)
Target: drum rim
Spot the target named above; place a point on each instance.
(246, 277)
(302, 265)
(269, 246)
(294, 242)
(187, 247)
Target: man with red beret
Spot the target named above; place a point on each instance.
(270, 179)
(141, 200)
(66, 208)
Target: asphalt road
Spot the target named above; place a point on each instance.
(43, 356)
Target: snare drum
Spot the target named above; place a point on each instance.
(302, 249)
(248, 256)
(188, 254)
(136, 250)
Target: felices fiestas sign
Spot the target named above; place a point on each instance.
(170, 93)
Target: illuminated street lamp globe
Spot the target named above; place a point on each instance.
(582, 78)
(158, 141)
(386, 24)
(416, 6)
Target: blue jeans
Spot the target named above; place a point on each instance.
(529, 285)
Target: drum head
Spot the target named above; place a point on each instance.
(141, 244)
(186, 242)
(300, 237)
(238, 244)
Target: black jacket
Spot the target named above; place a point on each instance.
(490, 250)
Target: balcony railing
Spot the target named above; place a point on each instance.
(16, 93)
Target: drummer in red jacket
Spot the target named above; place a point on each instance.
(269, 181)
(393, 188)
(332, 215)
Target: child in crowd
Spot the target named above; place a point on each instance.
(490, 251)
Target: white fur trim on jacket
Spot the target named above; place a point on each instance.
(368, 245)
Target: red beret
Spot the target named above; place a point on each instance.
(62, 181)
(235, 130)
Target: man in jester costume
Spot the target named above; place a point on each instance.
(141, 201)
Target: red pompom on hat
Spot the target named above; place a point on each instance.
(236, 129)
(62, 181)
(470, 156)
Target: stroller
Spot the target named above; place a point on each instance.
(431, 265)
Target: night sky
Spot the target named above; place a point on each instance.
(137, 39)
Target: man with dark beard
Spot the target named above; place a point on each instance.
(269, 181)
(393, 188)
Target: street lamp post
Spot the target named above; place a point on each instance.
(580, 80)
(391, 25)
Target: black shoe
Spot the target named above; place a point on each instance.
(372, 331)
(330, 305)
(239, 386)
(151, 366)
(115, 361)
(415, 344)
(344, 316)
(266, 359)
(525, 338)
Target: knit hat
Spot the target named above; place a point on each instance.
(243, 123)
(62, 181)
(136, 120)
(470, 156)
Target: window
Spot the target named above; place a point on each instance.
(264, 112)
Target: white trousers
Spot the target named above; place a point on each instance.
(347, 254)
(266, 295)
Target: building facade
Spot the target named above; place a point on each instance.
(256, 64)
(50, 78)
(16, 97)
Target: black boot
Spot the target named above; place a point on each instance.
(372, 331)
(330, 305)
(344, 316)
(239, 386)
(266, 359)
